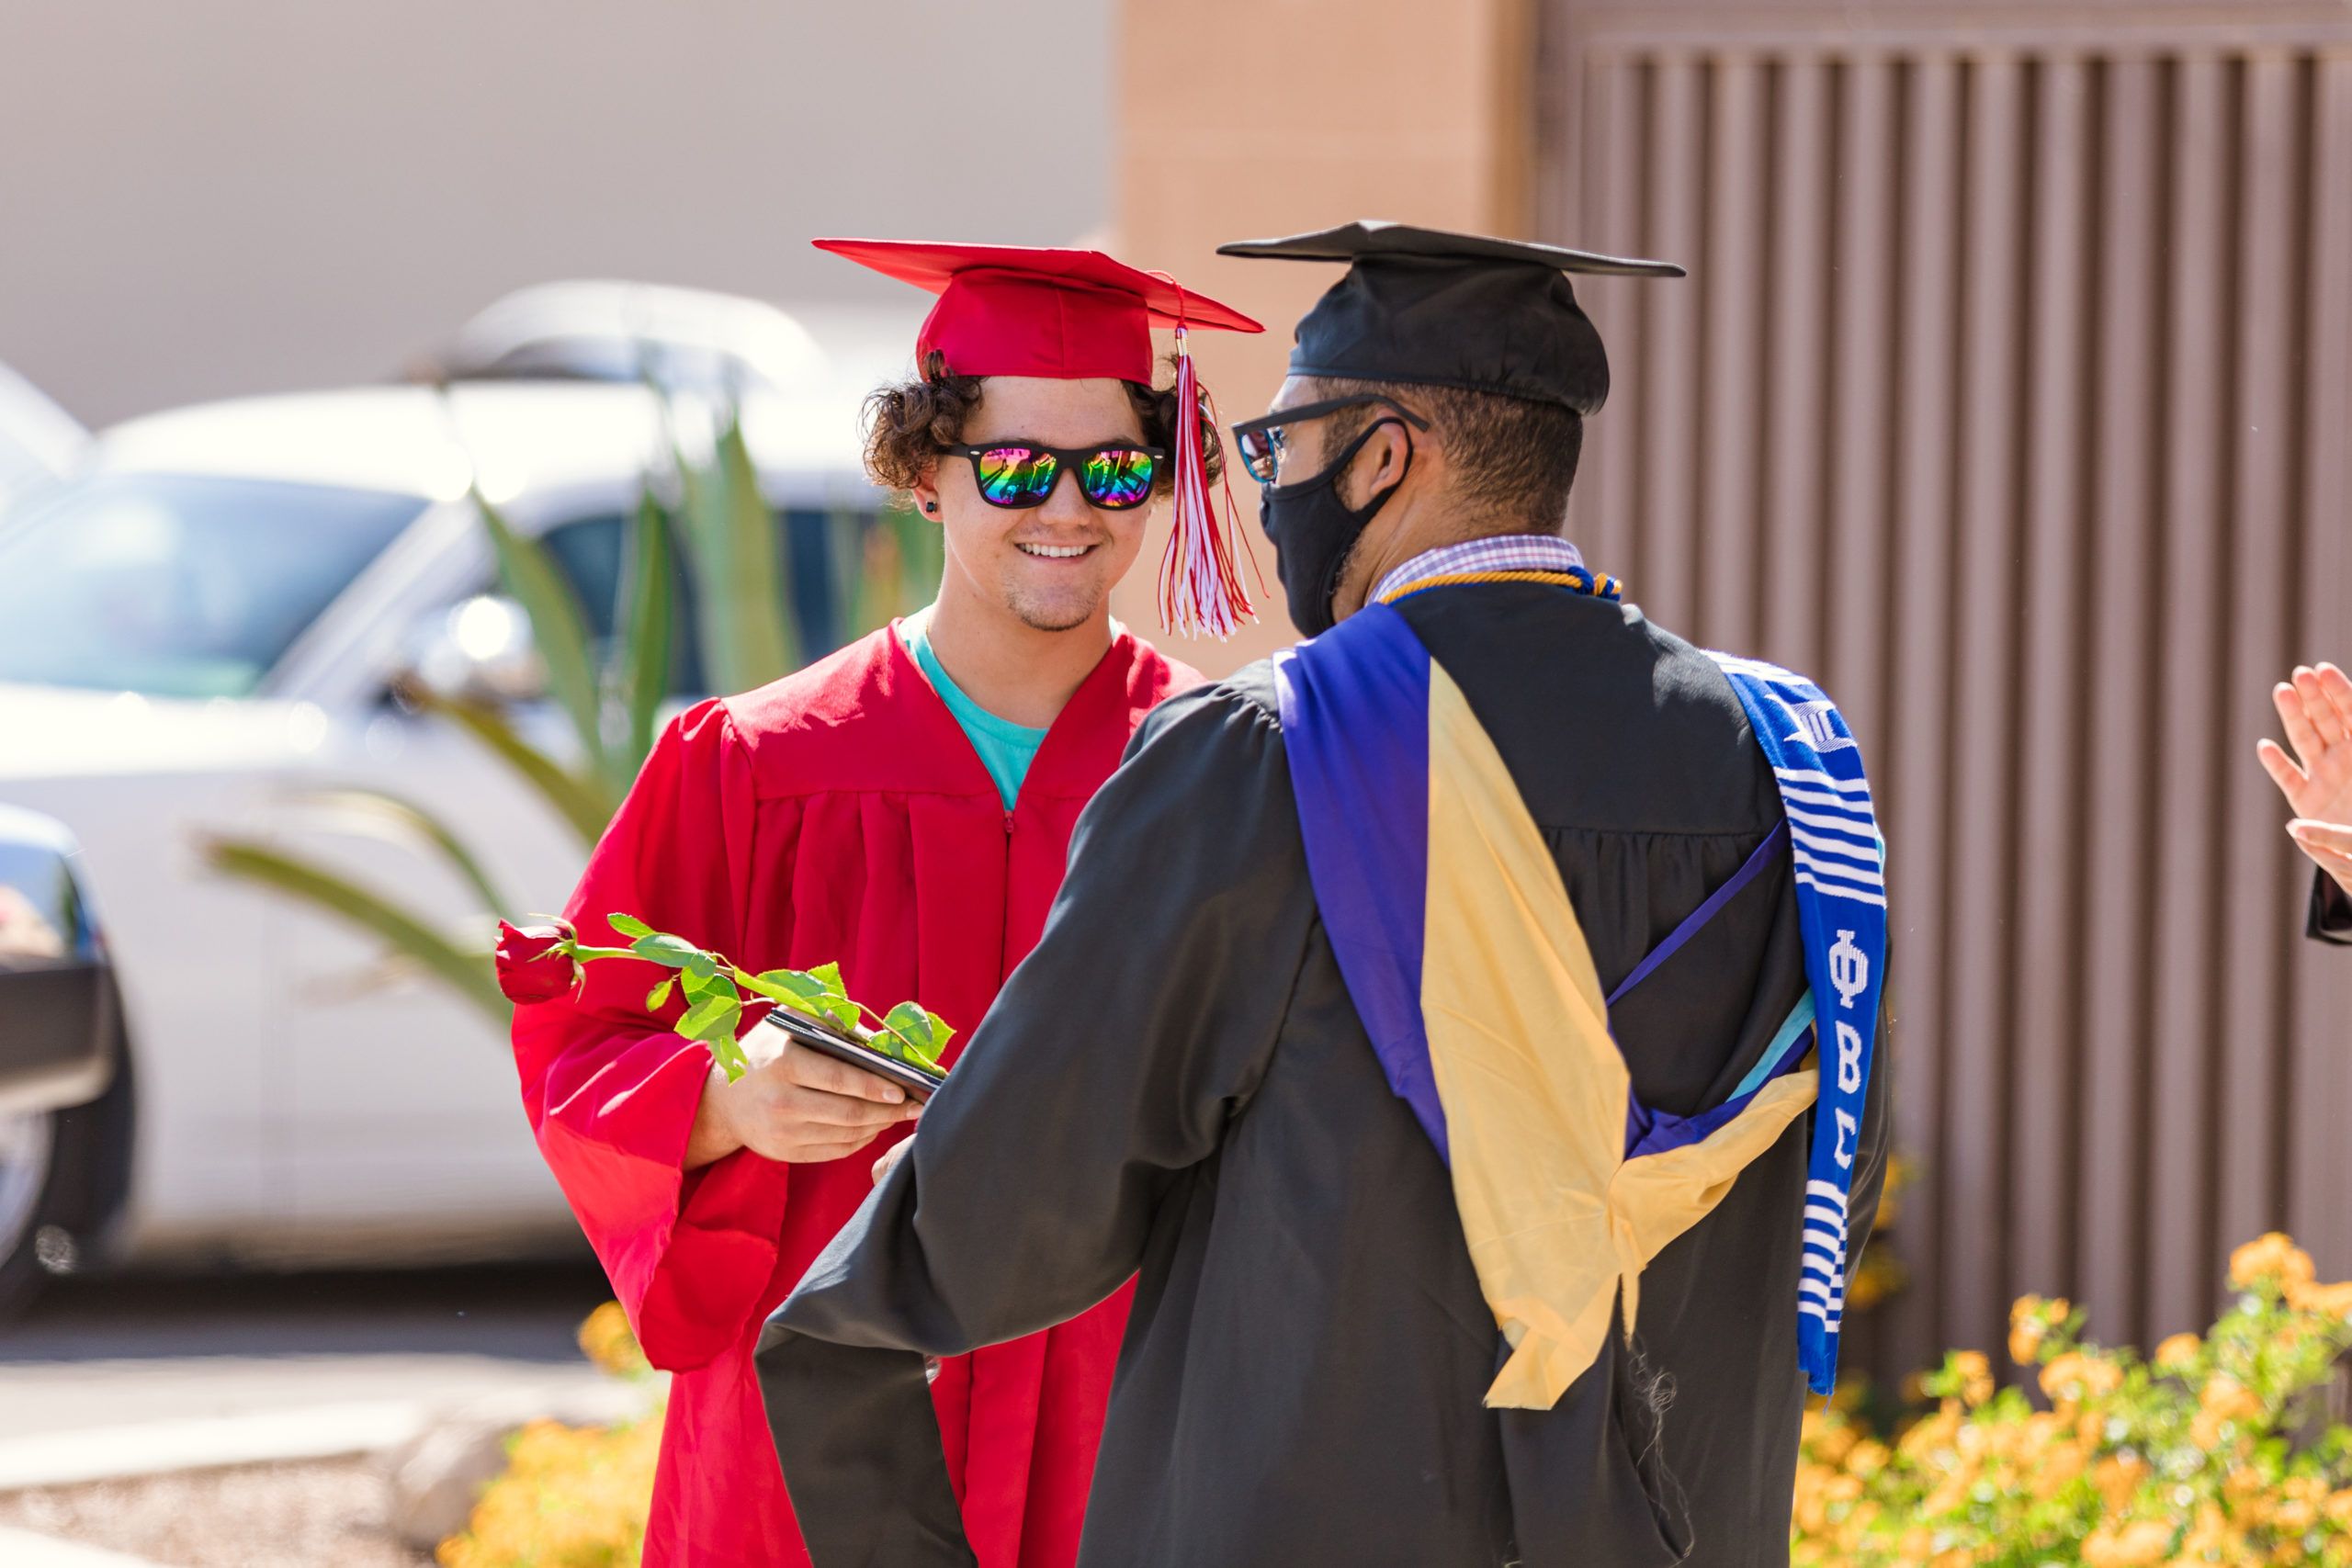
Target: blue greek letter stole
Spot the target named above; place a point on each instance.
(1465, 961)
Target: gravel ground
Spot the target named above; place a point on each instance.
(320, 1514)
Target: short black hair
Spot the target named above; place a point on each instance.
(1514, 458)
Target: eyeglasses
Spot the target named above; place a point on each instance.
(1023, 473)
(1259, 441)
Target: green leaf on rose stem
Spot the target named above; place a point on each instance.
(728, 1053)
(915, 1034)
(628, 925)
(674, 951)
(794, 988)
(711, 1019)
(658, 994)
(814, 992)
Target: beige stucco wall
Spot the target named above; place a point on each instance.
(1237, 118)
(232, 195)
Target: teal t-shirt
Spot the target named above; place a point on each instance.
(1006, 749)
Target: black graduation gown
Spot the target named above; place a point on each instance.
(2329, 916)
(1175, 1084)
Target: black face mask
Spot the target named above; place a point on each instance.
(1314, 532)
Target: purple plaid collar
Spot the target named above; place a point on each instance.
(1499, 552)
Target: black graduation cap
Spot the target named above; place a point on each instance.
(1439, 308)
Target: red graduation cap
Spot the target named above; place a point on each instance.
(1071, 315)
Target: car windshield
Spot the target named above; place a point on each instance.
(178, 585)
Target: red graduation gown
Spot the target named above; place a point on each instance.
(837, 814)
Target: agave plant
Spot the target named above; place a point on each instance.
(719, 522)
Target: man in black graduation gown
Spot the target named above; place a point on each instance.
(1176, 1085)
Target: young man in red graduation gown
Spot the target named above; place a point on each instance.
(903, 807)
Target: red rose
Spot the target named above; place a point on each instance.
(534, 964)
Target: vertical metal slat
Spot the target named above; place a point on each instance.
(1979, 1144)
(2046, 957)
(1793, 568)
(1731, 282)
(2121, 695)
(2180, 1168)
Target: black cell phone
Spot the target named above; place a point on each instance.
(819, 1035)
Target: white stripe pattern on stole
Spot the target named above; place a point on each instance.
(1806, 839)
(1832, 818)
(1821, 1282)
(1862, 877)
(1818, 797)
(1853, 789)
(1837, 829)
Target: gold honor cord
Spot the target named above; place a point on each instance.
(1597, 584)
(1559, 1221)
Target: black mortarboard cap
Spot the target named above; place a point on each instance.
(1421, 305)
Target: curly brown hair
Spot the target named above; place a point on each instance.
(909, 425)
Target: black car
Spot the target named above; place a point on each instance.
(64, 1080)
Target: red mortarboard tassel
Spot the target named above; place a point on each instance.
(1199, 588)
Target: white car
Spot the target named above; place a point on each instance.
(207, 620)
(38, 441)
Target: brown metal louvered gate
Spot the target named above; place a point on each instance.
(2011, 395)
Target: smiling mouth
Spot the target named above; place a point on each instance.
(1055, 552)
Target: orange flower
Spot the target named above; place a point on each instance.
(2178, 1350)
(2028, 1326)
(2118, 1476)
(2229, 1399)
(1975, 1376)
(2139, 1544)
(2272, 1257)
(2327, 1300)
(2076, 1376)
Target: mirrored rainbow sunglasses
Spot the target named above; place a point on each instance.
(1023, 473)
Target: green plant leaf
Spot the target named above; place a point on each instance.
(921, 554)
(728, 1053)
(467, 972)
(674, 951)
(733, 547)
(915, 1034)
(380, 814)
(642, 672)
(583, 802)
(558, 628)
(791, 986)
(711, 1018)
(699, 980)
(814, 992)
(628, 925)
(658, 994)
